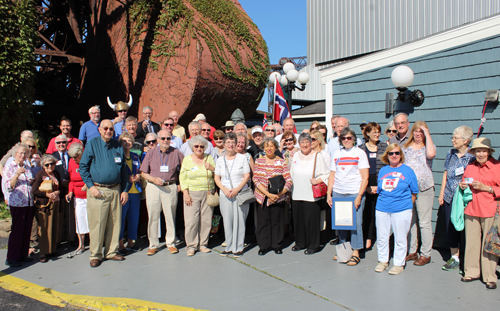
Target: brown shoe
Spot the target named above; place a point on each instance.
(412, 256)
(152, 251)
(94, 263)
(173, 250)
(422, 260)
(116, 257)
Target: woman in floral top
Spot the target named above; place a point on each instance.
(419, 152)
(271, 208)
(16, 179)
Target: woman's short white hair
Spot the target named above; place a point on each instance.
(198, 140)
(465, 132)
(75, 150)
(388, 126)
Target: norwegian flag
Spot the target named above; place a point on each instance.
(264, 122)
(281, 110)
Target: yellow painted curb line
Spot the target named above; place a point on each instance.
(54, 298)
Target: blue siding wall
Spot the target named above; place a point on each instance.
(454, 82)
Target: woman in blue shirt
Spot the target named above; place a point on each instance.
(397, 187)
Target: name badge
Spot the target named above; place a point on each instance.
(59, 162)
(45, 178)
(163, 168)
(373, 155)
(118, 160)
(459, 171)
(195, 168)
(78, 170)
(135, 162)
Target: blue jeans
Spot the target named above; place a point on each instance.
(130, 212)
(355, 236)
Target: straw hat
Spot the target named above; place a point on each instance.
(228, 124)
(481, 142)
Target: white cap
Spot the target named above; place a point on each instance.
(200, 116)
(257, 130)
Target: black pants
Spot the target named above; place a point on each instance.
(369, 228)
(270, 225)
(306, 216)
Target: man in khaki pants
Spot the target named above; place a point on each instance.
(161, 168)
(103, 169)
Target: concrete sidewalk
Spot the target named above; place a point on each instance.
(272, 282)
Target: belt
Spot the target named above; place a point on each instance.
(167, 183)
(105, 186)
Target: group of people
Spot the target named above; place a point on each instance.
(288, 183)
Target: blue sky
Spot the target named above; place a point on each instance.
(283, 25)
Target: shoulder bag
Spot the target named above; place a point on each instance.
(245, 196)
(492, 241)
(319, 190)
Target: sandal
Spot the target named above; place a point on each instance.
(354, 261)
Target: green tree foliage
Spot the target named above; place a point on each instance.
(17, 68)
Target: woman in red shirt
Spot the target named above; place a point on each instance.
(483, 177)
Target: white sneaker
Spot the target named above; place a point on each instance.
(224, 244)
(381, 266)
(396, 270)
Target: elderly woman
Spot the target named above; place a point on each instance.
(374, 149)
(349, 178)
(196, 179)
(219, 145)
(397, 188)
(288, 148)
(241, 148)
(270, 212)
(47, 203)
(419, 151)
(307, 169)
(232, 173)
(78, 189)
(16, 180)
(131, 209)
(390, 130)
(482, 177)
(455, 163)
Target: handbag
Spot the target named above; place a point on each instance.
(215, 224)
(344, 252)
(212, 199)
(492, 241)
(276, 184)
(319, 190)
(245, 196)
(46, 186)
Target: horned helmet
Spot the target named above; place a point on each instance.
(120, 105)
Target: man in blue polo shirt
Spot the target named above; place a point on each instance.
(103, 169)
(90, 129)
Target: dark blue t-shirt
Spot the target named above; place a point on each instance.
(395, 187)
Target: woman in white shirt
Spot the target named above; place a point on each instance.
(306, 208)
(232, 173)
(349, 178)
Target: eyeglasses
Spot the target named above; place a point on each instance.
(97, 112)
(198, 146)
(289, 140)
(149, 142)
(394, 153)
(205, 130)
(313, 139)
(31, 147)
(105, 129)
(392, 131)
(401, 123)
(168, 124)
(121, 111)
(49, 164)
(346, 138)
(270, 130)
(61, 142)
(314, 128)
(456, 138)
(164, 138)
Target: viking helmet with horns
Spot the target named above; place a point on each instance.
(120, 105)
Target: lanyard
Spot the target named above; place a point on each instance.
(161, 162)
(229, 171)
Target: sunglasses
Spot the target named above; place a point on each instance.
(61, 142)
(198, 146)
(394, 153)
(149, 142)
(270, 130)
(205, 130)
(392, 131)
(49, 164)
(314, 128)
(218, 138)
(313, 139)
(164, 138)
(229, 130)
(105, 129)
(121, 111)
(168, 124)
(31, 147)
(346, 138)
(289, 140)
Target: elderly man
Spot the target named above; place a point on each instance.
(161, 168)
(168, 125)
(334, 133)
(24, 134)
(121, 109)
(334, 145)
(206, 131)
(178, 130)
(200, 118)
(65, 127)
(131, 128)
(147, 125)
(195, 130)
(103, 169)
(279, 129)
(402, 125)
(90, 129)
(228, 127)
(288, 125)
(257, 138)
(240, 128)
